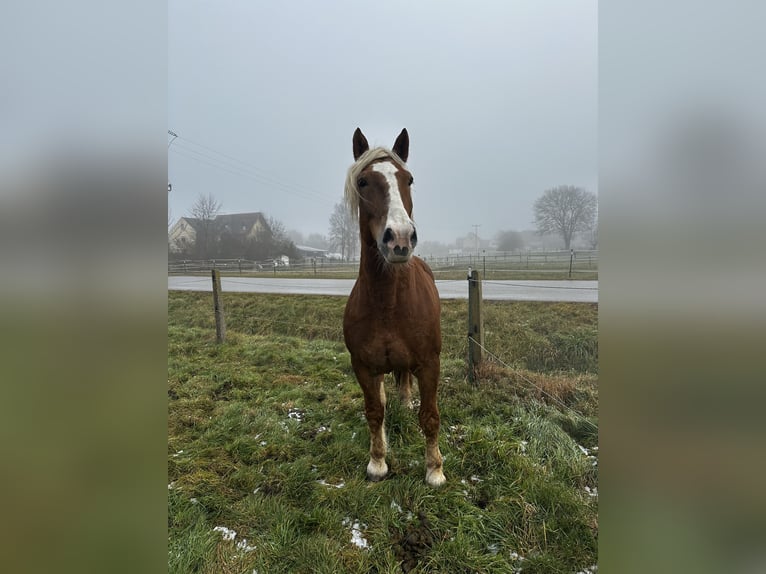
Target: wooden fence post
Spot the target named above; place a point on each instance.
(475, 325)
(571, 257)
(220, 320)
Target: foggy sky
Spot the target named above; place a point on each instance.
(499, 98)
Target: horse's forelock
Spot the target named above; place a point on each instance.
(351, 192)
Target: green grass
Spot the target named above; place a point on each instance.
(262, 428)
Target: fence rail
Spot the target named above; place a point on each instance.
(580, 261)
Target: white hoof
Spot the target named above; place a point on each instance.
(435, 477)
(377, 470)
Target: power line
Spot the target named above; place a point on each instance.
(235, 166)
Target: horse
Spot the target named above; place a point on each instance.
(391, 322)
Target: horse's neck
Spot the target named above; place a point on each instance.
(376, 274)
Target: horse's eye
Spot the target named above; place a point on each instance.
(361, 182)
(411, 180)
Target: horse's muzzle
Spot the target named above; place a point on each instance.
(397, 247)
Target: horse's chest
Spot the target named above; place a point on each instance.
(380, 342)
(384, 341)
(394, 330)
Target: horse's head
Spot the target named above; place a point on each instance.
(378, 191)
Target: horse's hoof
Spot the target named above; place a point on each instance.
(435, 477)
(377, 470)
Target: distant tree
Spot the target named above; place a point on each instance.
(278, 231)
(280, 242)
(296, 237)
(317, 240)
(565, 210)
(592, 236)
(343, 232)
(509, 240)
(205, 209)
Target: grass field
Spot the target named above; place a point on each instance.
(267, 445)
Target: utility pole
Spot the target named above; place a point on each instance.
(175, 135)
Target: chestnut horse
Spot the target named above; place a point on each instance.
(391, 322)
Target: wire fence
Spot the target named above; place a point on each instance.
(490, 263)
(534, 385)
(335, 333)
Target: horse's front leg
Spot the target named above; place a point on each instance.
(428, 382)
(375, 411)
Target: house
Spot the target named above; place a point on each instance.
(226, 229)
(183, 235)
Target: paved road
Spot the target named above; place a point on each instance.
(572, 291)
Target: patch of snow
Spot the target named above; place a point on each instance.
(357, 539)
(592, 492)
(172, 485)
(296, 415)
(518, 559)
(264, 443)
(341, 484)
(243, 545)
(395, 506)
(226, 533)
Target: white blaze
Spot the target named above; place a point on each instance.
(398, 220)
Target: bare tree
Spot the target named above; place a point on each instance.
(281, 244)
(317, 240)
(278, 230)
(343, 231)
(205, 210)
(565, 210)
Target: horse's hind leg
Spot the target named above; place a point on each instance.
(428, 381)
(404, 382)
(375, 410)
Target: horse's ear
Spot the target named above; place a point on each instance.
(402, 145)
(360, 144)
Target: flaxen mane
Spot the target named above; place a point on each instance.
(352, 190)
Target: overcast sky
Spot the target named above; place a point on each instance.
(499, 98)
